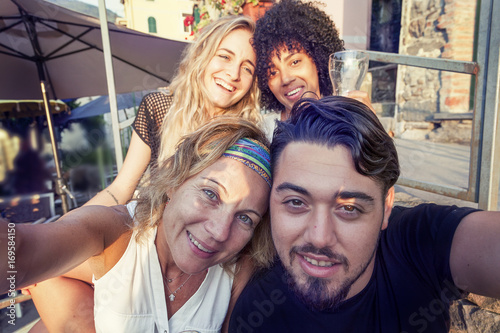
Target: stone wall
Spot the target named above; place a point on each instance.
(435, 29)
(475, 314)
(458, 22)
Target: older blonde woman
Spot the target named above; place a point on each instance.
(157, 262)
(215, 77)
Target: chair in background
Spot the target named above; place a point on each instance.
(33, 208)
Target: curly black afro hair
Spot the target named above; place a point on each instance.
(296, 26)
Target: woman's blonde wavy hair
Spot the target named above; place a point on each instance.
(194, 153)
(190, 96)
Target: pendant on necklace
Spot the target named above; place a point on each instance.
(169, 280)
(172, 297)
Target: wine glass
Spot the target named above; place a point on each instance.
(347, 71)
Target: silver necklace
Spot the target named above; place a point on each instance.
(175, 278)
(172, 294)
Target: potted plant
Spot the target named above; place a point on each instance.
(218, 8)
(255, 8)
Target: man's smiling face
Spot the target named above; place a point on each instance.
(326, 219)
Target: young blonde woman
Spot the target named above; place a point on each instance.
(215, 77)
(167, 262)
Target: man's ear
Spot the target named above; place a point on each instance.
(389, 202)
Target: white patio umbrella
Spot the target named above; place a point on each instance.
(47, 51)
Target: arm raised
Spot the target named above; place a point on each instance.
(43, 251)
(475, 254)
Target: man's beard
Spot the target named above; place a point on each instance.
(315, 292)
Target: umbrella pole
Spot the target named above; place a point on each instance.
(61, 189)
(110, 79)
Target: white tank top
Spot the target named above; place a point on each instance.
(131, 298)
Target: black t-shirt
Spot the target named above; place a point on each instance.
(409, 290)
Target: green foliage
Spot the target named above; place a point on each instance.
(222, 8)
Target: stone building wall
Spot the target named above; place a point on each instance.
(458, 21)
(435, 29)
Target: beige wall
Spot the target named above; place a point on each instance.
(167, 13)
(352, 19)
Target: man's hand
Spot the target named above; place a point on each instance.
(361, 96)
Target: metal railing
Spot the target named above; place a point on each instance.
(484, 170)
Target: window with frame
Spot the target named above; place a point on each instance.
(152, 24)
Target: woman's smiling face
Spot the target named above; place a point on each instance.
(212, 216)
(292, 74)
(230, 73)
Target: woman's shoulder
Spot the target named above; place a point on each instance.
(158, 98)
(154, 107)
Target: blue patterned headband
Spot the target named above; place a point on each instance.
(254, 155)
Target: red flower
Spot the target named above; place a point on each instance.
(223, 2)
(188, 21)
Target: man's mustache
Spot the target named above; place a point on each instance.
(325, 251)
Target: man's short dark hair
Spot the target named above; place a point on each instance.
(337, 120)
(297, 26)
